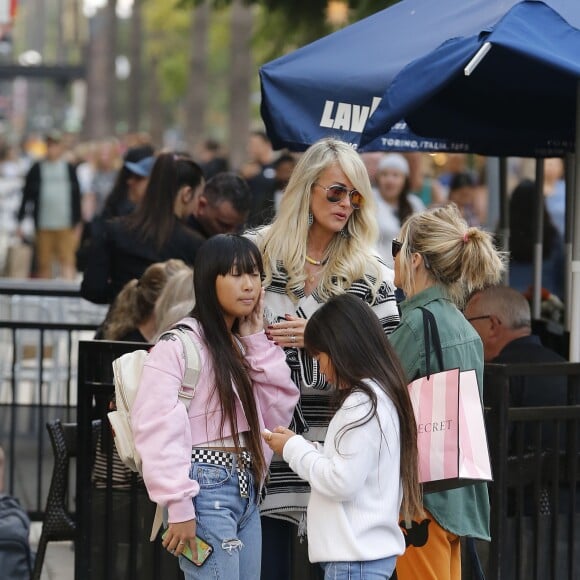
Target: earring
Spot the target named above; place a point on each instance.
(344, 232)
(310, 219)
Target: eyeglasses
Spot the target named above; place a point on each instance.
(336, 193)
(478, 317)
(396, 246)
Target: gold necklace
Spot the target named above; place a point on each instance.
(316, 262)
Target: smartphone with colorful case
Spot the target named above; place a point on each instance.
(204, 551)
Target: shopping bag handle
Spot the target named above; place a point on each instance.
(429, 324)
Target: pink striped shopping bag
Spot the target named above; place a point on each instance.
(451, 435)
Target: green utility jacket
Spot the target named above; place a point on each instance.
(463, 511)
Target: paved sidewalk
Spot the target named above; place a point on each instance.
(59, 560)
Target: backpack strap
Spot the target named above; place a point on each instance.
(192, 363)
(190, 378)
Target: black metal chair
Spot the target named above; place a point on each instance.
(58, 524)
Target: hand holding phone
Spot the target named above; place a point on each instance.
(204, 550)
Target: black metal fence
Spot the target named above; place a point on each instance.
(41, 322)
(114, 514)
(38, 383)
(535, 495)
(535, 452)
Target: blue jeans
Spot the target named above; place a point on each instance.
(372, 570)
(228, 522)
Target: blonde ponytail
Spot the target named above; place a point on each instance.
(460, 259)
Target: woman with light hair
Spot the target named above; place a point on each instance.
(132, 317)
(320, 245)
(176, 300)
(439, 261)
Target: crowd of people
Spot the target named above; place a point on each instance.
(302, 280)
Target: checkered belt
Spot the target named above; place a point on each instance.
(242, 460)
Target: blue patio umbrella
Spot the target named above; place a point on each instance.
(507, 89)
(334, 85)
(512, 88)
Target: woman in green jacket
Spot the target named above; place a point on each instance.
(439, 261)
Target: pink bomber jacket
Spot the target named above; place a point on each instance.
(164, 432)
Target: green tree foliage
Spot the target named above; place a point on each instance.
(281, 26)
(167, 44)
(285, 25)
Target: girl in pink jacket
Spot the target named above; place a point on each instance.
(207, 464)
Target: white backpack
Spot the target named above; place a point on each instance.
(127, 377)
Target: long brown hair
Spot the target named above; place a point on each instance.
(349, 332)
(154, 219)
(219, 256)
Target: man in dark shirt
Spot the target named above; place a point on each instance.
(222, 207)
(501, 316)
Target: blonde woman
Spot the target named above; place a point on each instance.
(176, 301)
(439, 261)
(320, 245)
(132, 317)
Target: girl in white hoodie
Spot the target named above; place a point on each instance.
(359, 483)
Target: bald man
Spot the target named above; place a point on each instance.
(501, 316)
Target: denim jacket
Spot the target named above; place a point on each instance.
(463, 511)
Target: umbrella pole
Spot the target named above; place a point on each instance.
(538, 239)
(504, 213)
(575, 265)
(568, 237)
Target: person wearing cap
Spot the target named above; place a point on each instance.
(52, 195)
(131, 182)
(395, 203)
(155, 231)
(127, 193)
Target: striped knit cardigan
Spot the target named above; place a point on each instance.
(287, 494)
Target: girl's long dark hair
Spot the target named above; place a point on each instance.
(348, 331)
(217, 257)
(154, 219)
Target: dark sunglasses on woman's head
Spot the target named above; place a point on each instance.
(396, 247)
(336, 193)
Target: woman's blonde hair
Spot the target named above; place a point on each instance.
(459, 258)
(350, 255)
(176, 300)
(136, 301)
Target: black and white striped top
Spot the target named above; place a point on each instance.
(287, 495)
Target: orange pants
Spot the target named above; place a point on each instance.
(59, 246)
(432, 552)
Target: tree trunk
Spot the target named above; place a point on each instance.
(240, 81)
(136, 78)
(111, 57)
(94, 121)
(101, 55)
(196, 98)
(156, 111)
